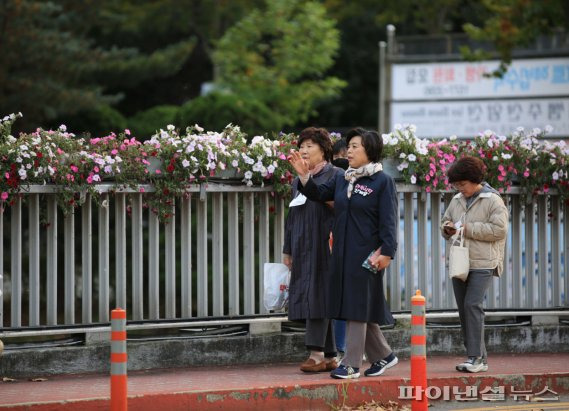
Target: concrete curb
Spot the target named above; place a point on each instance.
(258, 349)
(317, 396)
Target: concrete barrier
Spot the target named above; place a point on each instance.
(257, 349)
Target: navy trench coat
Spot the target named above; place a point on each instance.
(307, 230)
(363, 223)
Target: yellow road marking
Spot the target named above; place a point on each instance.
(529, 406)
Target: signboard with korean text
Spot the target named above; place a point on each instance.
(455, 98)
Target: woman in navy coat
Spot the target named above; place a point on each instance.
(365, 206)
(306, 252)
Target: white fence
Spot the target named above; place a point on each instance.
(206, 263)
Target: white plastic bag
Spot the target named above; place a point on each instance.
(459, 260)
(276, 280)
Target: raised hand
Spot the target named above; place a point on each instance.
(298, 163)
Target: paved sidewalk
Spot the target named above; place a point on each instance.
(280, 386)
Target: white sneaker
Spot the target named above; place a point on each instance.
(475, 364)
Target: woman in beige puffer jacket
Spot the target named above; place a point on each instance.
(479, 211)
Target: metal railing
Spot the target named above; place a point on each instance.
(207, 262)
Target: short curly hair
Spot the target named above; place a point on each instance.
(467, 168)
(320, 136)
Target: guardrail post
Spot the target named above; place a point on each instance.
(418, 353)
(118, 360)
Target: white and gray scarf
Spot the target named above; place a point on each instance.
(353, 174)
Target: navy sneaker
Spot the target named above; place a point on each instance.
(345, 372)
(379, 367)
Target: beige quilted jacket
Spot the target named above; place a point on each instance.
(486, 222)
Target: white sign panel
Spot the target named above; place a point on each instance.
(463, 80)
(468, 118)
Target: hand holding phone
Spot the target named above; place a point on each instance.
(450, 229)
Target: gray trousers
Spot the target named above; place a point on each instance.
(366, 337)
(320, 336)
(469, 297)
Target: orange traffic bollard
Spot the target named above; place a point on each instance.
(118, 360)
(418, 353)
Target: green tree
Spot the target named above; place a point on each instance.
(508, 24)
(362, 25)
(52, 69)
(152, 25)
(216, 110)
(278, 56)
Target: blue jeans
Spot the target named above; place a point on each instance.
(340, 334)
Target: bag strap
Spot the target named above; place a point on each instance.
(458, 237)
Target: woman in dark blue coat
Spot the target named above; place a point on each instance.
(365, 205)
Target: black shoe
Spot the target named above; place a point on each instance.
(378, 367)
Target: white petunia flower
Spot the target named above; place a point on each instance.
(412, 157)
(555, 175)
(185, 163)
(413, 179)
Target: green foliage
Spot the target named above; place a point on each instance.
(53, 67)
(43, 62)
(216, 110)
(278, 56)
(514, 23)
(99, 120)
(147, 122)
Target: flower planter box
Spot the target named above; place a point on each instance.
(227, 176)
(390, 168)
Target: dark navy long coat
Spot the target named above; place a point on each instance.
(363, 223)
(307, 231)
